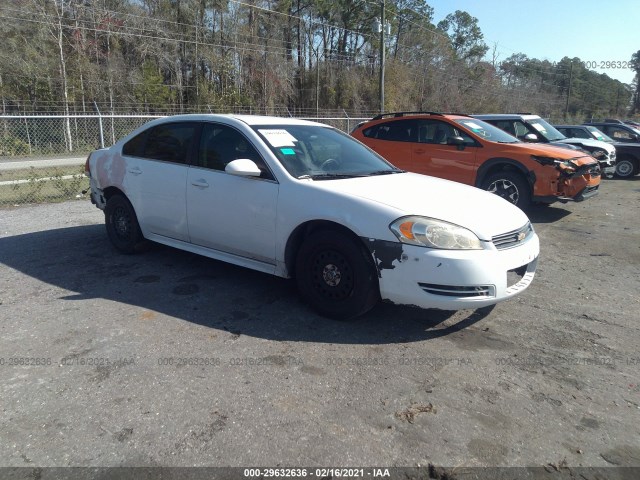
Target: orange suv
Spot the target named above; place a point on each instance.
(467, 150)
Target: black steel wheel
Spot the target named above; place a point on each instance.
(336, 275)
(122, 225)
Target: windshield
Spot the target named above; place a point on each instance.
(311, 151)
(487, 131)
(598, 135)
(546, 130)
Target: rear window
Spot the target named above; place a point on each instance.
(394, 131)
(170, 142)
(135, 146)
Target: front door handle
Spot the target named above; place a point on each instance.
(135, 170)
(201, 183)
(419, 151)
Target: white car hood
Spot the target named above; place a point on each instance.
(589, 142)
(483, 213)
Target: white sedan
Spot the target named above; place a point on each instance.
(304, 200)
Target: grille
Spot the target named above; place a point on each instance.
(513, 238)
(459, 291)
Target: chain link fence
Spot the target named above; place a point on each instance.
(42, 157)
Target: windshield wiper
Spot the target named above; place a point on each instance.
(384, 172)
(333, 176)
(328, 176)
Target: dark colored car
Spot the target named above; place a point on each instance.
(618, 131)
(628, 160)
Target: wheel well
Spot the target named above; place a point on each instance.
(109, 192)
(505, 166)
(302, 231)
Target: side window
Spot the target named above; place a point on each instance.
(221, 144)
(437, 132)
(508, 126)
(170, 142)
(522, 130)
(577, 133)
(395, 131)
(133, 147)
(618, 133)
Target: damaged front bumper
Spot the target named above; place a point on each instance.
(578, 179)
(455, 279)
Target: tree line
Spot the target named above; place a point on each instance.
(298, 57)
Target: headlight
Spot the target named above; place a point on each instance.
(599, 154)
(566, 166)
(428, 232)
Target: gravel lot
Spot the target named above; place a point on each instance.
(170, 359)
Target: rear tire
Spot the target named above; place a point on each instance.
(122, 225)
(336, 275)
(509, 185)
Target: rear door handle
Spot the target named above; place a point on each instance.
(135, 170)
(419, 151)
(201, 183)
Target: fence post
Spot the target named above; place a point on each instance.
(26, 126)
(95, 105)
(348, 120)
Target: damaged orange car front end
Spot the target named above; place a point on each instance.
(578, 178)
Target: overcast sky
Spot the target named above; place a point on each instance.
(592, 30)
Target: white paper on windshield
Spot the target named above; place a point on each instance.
(279, 138)
(473, 126)
(538, 127)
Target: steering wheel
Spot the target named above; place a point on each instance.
(329, 164)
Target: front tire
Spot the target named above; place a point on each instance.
(626, 168)
(510, 186)
(336, 275)
(122, 225)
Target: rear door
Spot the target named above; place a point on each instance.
(393, 140)
(156, 177)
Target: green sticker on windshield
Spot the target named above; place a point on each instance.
(288, 151)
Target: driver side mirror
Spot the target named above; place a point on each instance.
(531, 137)
(243, 167)
(457, 141)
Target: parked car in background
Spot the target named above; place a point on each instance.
(628, 154)
(300, 199)
(467, 150)
(618, 131)
(532, 128)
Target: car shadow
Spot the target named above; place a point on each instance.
(546, 213)
(208, 292)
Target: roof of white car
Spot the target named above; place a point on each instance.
(507, 116)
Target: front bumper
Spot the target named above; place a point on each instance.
(458, 279)
(585, 193)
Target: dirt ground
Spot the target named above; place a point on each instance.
(170, 359)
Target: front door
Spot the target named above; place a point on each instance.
(432, 155)
(229, 213)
